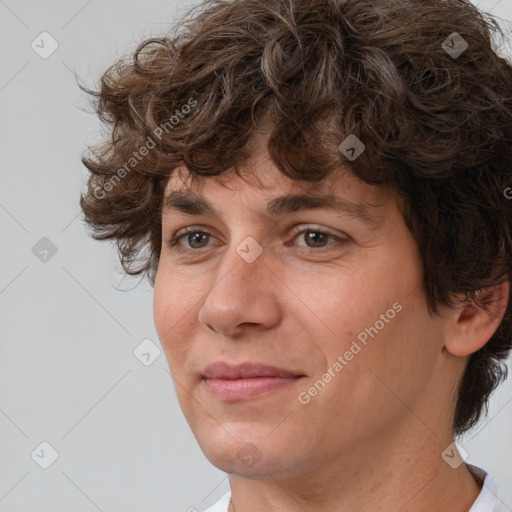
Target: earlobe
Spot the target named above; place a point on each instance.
(473, 326)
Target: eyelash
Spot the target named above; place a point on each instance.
(196, 230)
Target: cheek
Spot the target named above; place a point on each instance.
(162, 298)
(370, 312)
(171, 314)
(388, 348)
(341, 304)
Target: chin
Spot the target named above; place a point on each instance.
(244, 450)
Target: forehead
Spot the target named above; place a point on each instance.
(263, 177)
(258, 171)
(263, 189)
(258, 180)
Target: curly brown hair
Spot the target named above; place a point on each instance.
(437, 126)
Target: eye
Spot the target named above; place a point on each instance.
(194, 235)
(315, 239)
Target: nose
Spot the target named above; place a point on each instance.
(244, 291)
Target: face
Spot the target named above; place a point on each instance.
(332, 298)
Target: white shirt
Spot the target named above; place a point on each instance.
(487, 500)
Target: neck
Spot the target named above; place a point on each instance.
(409, 476)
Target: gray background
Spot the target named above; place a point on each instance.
(69, 326)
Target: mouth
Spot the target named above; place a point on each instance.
(246, 381)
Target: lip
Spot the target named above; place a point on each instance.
(222, 370)
(246, 381)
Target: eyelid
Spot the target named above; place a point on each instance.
(313, 227)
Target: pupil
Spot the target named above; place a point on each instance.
(194, 235)
(313, 236)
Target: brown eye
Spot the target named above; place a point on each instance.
(317, 239)
(198, 237)
(193, 237)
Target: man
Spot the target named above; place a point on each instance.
(342, 167)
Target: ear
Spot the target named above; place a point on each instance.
(471, 326)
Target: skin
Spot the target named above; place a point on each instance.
(372, 439)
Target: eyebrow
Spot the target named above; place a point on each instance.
(190, 203)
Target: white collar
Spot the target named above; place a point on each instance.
(488, 497)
